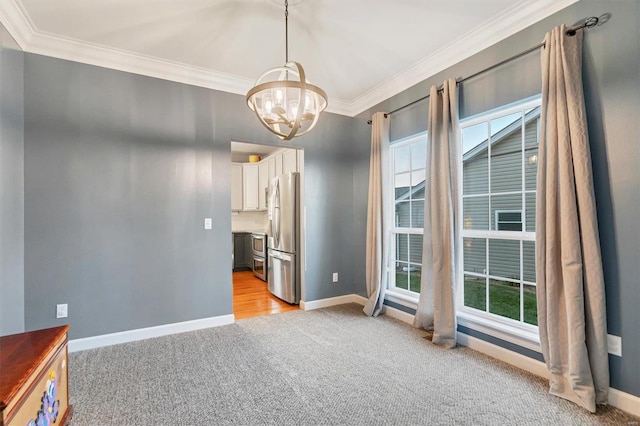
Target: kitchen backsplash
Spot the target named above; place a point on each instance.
(248, 221)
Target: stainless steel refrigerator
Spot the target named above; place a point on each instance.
(284, 237)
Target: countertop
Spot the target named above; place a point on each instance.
(248, 231)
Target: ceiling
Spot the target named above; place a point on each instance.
(359, 51)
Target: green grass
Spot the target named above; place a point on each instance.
(414, 284)
(504, 299)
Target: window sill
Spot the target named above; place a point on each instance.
(518, 336)
(401, 299)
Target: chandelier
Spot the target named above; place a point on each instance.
(282, 98)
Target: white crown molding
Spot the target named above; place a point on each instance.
(122, 60)
(517, 18)
(17, 22)
(30, 39)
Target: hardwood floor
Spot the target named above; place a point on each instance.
(251, 297)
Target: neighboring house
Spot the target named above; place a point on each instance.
(408, 198)
(506, 209)
(505, 149)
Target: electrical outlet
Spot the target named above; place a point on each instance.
(335, 277)
(61, 310)
(615, 344)
(207, 223)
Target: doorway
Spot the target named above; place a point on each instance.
(250, 162)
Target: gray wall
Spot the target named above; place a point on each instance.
(120, 171)
(612, 92)
(11, 186)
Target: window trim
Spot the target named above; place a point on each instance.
(396, 294)
(520, 333)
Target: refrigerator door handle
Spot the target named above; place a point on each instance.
(276, 213)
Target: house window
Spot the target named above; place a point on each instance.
(408, 160)
(508, 220)
(498, 194)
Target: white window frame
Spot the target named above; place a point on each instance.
(392, 293)
(517, 332)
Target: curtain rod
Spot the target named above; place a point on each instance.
(571, 31)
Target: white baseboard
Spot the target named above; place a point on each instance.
(398, 314)
(510, 357)
(622, 400)
(332, 301)
(93, 342)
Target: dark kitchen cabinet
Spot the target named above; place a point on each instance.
(241, 251)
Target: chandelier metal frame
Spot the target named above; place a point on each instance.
(269, 99)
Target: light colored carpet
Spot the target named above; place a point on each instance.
(331, 366)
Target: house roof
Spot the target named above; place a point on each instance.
(501, 135)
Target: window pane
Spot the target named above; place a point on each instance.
(402, 247)
(530, 199)
(417, 184)
(504, 258)
(402, 184)
(415, 248)
(402, 275)
(415, 272)
(504, 299)
(475, 292)
(475, 175)
(419, 154)
(530, 168)
(506, 167)
(476, 213)
(401, 159)
(530, 307)
(417, 214)
(473, 137)
(529, 261)
(475, 170)
(504, 125)
(402, 218)
(511, 202)
(475, 255)
(532, 129)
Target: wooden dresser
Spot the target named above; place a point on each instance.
(34, 379)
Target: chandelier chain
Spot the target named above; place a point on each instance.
(286, 31)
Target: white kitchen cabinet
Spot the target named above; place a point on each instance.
(250, 179)
(263, 184)
(236, 187)
(272, 167)
(278, 164)
(290, 161)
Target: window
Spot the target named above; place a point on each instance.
(509, 220)
(498, 195)
(408, 160)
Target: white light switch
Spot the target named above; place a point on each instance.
(207, 223)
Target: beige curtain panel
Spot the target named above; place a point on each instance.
(436, 310)
(377, 215)
(570, 285)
